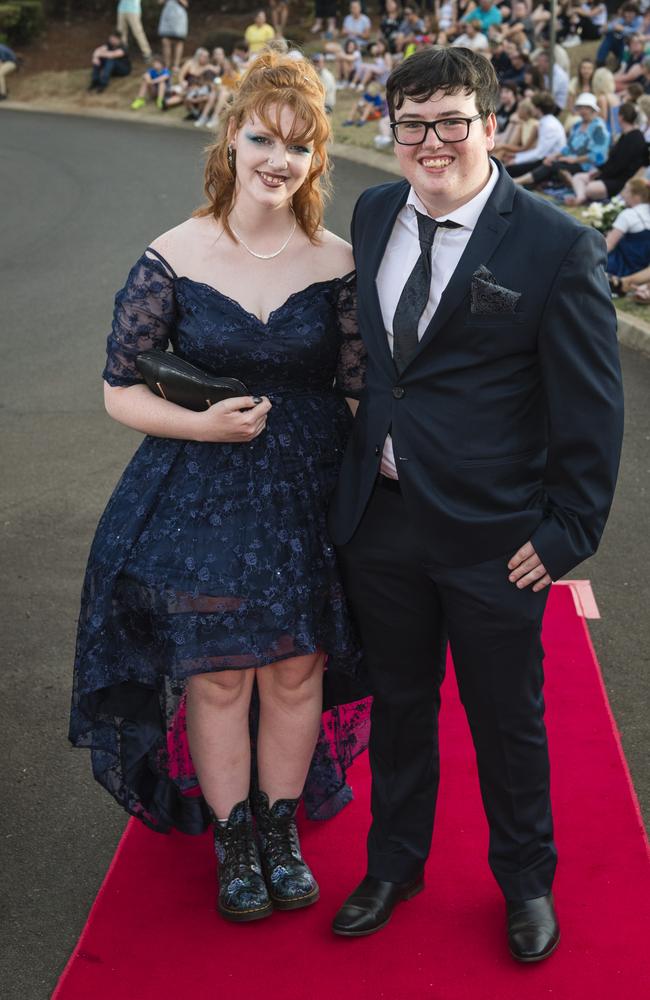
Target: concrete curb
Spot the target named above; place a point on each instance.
(65, 108)
(632, 331)
(357, 154)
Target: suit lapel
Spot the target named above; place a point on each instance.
(373, 257)
(488, 233)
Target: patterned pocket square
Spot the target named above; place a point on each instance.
(488, 297)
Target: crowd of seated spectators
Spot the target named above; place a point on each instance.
(579, 135)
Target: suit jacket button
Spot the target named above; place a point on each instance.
(399, 392)
(377, 450)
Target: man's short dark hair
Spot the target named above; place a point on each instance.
(452, 70)
(628, 112)
(545, 102)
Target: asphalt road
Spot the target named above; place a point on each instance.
(79, 201)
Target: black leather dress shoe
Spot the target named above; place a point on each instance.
(370, 906)
(533, 928)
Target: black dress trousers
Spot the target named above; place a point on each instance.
(406, 609)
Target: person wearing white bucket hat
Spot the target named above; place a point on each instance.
(586, 148)
(586, 100)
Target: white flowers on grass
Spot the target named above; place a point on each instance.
(602, 215)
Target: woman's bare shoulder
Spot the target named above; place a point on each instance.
(180, 244)
(335, 254)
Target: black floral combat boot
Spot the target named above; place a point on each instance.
(291, 884)
(242, 891)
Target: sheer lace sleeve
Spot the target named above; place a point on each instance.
(351, 367)
(143, 319)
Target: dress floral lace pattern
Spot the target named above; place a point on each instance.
(214, 556)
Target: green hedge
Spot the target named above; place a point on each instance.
(21, 20)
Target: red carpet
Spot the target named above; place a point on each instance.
(153, 934)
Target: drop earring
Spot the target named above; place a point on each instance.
(230, 153)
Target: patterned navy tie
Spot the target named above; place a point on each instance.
(415, 294)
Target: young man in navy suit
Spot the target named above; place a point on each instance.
(481, 467)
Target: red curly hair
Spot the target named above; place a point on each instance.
(272, 83)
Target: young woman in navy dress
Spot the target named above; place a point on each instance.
(212, 607)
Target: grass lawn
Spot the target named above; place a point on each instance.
(631, 309)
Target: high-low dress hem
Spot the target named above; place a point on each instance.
(216, 556)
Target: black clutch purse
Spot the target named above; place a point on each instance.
(180, 382)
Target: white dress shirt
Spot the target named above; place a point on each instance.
(551, 138)
(400, 256)
(560, 89)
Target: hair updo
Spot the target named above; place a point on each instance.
(274, 82)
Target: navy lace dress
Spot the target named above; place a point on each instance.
(215, 556)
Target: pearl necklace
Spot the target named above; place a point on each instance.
(266, 256)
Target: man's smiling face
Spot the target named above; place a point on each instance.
(445, 175)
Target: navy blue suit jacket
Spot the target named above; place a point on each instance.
(506, 426)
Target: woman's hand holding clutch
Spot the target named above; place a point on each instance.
(235, 420)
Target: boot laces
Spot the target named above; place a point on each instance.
(282, 844)
(240, 850)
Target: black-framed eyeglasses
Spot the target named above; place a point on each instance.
(412, 133)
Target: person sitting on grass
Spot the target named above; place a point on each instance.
(8, 64)
(511, 65)
(626, 23)
(109, 59)
(348, 63)
(355, 35)
(485, 16)
(326, 77)
(508, 101)
(378, 70)
(193, 85)
(626, 157)
(240, 56)
(604, 90)
(371, 107)
(551, 138)
(559, 83)
(155, 81)
(593, 20)
(357, 25)
(432, 37)
(199, 94)
(521, 134)
(222, 87)
(636, 285)
(586, 148)
(384, 138)
(472, 38)
(628, 241)
(631, 68)
(412, 26)
(581, 83)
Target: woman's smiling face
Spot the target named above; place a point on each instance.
(270, 167)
